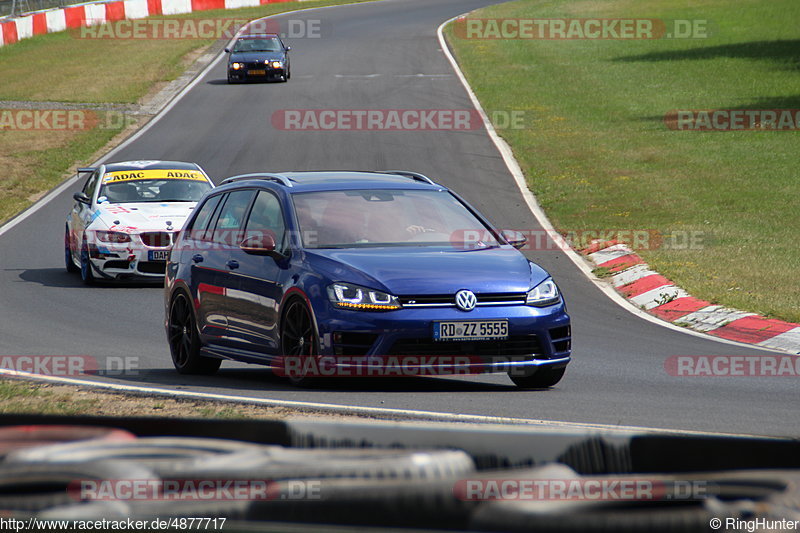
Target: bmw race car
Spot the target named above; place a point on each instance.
(123, 221)
(258, 57)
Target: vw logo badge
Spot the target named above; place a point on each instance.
(466, 300)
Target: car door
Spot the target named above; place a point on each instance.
(197, 250)
(224, 260)
(261, 278)
(81, 215)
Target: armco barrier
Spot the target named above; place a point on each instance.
(55, 20)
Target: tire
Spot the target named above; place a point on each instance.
(278, 463)
(543, 378)
(159, 454)
(595, 517)
(378, 503)
(184, 340)
(87, 275)
(70, 265)
(299, 338)
(19, 437)
(32, 487)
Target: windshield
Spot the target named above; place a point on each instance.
(371, 218)
(258, 45)
(153, 190)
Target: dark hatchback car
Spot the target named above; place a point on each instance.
(258, 58)
(347, 269)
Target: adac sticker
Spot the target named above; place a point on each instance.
(154, 174)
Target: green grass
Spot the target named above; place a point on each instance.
(24, 397)
(599, 156)
(34, 162)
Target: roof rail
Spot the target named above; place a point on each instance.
(278, 178)
(413, 175)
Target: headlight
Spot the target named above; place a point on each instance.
(544, 294)
(348, 296)
(113, 236)
(275, 64)
(237, 66)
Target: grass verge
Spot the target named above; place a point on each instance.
(19, 396)
(599, 156)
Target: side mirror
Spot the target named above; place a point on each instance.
(517, 239)
(227, 50)
(288, 48)
(82, 198)
(263, 244)
(519, 243)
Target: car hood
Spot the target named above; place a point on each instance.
(142, 216)
(247, 57)
(416, 271)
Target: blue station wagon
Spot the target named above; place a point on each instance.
(343, 270)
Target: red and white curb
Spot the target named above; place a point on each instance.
(81, 15)
(649, 290)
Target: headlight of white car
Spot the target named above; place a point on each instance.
(544, 294)
(113, 236)
(349, 296)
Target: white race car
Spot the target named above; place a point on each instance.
(124, 219)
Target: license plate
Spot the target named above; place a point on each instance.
(158, 255)
(475, 330)
(256, 72)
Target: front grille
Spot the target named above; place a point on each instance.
(443, 300)
(514, 345)
(352, 343)
(153, 267)
(157, 239)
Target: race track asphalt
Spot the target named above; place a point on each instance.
(383, 55)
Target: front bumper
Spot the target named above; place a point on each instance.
(353, 340)
(125, 261)
(246, 74)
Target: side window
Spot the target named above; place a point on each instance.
(204, 216)
(231, 217)
(91, 184)
(267, 217)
